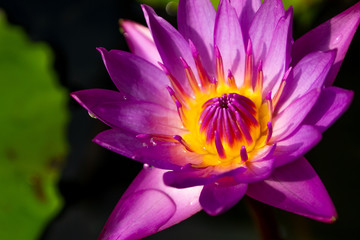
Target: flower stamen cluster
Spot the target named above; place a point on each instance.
(231, 121)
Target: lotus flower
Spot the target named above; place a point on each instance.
(226, 105)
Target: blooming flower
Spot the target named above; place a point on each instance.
(226, 105)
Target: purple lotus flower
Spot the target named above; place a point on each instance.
(226, 105)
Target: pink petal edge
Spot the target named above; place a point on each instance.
(262, 27)
(335, 33)
(140, 41)
(332, 103)
(290, 119)
(134, 77)
(217, 198)
(296, 145)
(296, 188)
(229, 40)
(246, 10)
(196, 20)
(171, 46)
(148, 206)
(308, 74)
(278, 57)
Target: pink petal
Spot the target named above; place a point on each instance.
(296, 145)
(246, 10)
(336, 33)
(196, 20)
(278, 57)
(171, 46)
(331, 104)
(129, 220)
(137, 116)
(308, 74)
(219, 197)
(161, 154)
(148, 206)
(134, 76)
(259, 167)
(263, 26)
(140, 41)
(296, 188)
(256, 169)
(189, 176)
(285, 122)
(228, 38)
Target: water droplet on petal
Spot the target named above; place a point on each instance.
(338, 39)
(153, 142)
(92, 115)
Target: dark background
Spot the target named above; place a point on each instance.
(93, 179)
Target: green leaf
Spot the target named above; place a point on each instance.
(33, 117)
(305, 11)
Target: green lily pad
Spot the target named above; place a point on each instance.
(305, 11)
(33, 117)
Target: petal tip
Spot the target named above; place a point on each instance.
(147, 9)
(101, 50)
(215, 212)
(77, 96)
(128, 221)
(122, 21)
(329, 220)
(73, 95)
(333, 219)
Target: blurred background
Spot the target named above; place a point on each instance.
(55, 183)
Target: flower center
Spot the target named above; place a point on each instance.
(231, 116)
(225, 120)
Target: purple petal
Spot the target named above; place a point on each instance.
(336, 33)
(228, 38)
(196, 20)
(129, 220)
(246, 10)
(189, 176)
(134, 76)
(259, 166)
(285, 122)
(148, 206)
(140, 41)
(296, 188)
(331, 104)
(308, 74)
(296, 145)
(263, 26)
(171, 46)
(90, 100)
(278, 57)
(137, 116)
(217, 197)
(161, 154)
